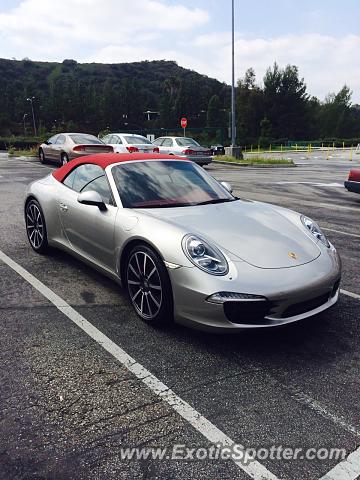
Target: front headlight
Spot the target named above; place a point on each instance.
(202, 255)
(315, 230)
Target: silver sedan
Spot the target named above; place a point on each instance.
(184, 147)
(182, 245)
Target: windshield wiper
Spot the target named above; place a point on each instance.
(217, 200)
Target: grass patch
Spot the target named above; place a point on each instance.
(29, 152)
(255, 160)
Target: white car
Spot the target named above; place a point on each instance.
(129, 143)
(184, 147)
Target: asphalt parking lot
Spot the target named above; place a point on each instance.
(68, 406)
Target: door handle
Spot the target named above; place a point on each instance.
(63, 207)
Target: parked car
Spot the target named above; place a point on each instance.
(63, 147)
(217, 150)
(184, 147)
(182, 245)
(129, 143)
(353, 182)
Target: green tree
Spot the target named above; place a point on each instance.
(213, 112)
(286, 100)
(265, 132)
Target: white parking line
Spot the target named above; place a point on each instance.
(350, 294)
(348, 469)
(314, 405)
(339, 231)
(314, 184)
(254, 469)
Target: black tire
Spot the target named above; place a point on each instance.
(36, 227)
(149, 288)
(64, 159)
(42, 157)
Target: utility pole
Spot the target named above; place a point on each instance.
(31, 99)
(233, 124)
(233, 150)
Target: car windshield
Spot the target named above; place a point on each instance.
(187, 142)
(80, 138)
(137, 140)
(170, 183)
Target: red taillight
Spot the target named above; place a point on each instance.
(156, 150)
(79, 148)
(354, 175)
(188, 152)
(132, 149)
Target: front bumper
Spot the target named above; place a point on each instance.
(292, 294)
(352, 186)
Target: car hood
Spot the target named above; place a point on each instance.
(256, 233)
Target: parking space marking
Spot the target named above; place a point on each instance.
(348, 469)
(305, 399)
(212, 433)
(314, 184)
(339, 231)
(350, 294)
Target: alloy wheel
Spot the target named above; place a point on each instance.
(35, 226)
(144, 285)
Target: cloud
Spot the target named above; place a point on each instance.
(44, 29)
(124, 31)
(326, 62)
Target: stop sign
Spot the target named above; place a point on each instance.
(183, 122)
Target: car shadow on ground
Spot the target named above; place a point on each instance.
(318, 335)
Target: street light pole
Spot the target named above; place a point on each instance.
(233, 124)
(30, 99)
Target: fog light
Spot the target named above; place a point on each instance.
(222, 297)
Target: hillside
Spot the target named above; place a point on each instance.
(95, 96)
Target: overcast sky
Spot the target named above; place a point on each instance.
(319, 36)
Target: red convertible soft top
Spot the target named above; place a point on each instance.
(103, 160)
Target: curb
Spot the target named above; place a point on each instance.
(260, 165)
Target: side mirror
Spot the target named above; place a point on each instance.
(92, 198)
(47, 142)
(227, 186)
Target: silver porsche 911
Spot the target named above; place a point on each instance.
(182, 245)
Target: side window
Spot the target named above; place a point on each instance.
(85, 174)
(118, 139)
(106, 139)
(52, 140)
(158, 141)
(69, 180)
(167, 142)
(113, 140)
(60, 140)
(101, 186)
(82, 175)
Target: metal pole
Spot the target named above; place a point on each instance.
(33, 114)
(233, 124)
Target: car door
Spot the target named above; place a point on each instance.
(89, 230)
(58, 147)
(167, 146)
(117, 144)
(48, 148)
